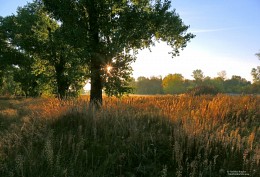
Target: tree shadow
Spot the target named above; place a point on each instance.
(9, 114)
(6, 121)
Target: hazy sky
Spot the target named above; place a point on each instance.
(227, 38)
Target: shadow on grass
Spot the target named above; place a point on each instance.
(114, 143)
(8, 117)
(121, 144)
(12, 112)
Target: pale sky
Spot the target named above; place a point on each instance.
(227, 38)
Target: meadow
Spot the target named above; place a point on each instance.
(135, 136)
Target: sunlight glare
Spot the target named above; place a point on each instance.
(109, 68)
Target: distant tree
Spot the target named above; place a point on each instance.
(258, 55)
(255, 72)
(253, 88)
(203, 90)
(132, 84)
(218, 83)
(222, 75)
(109, 31)
(198, 76)
(236, 84)
(156, 85)
(189, 84)
(173, 84)
(149, 86)
(207, 80)
(142, 85)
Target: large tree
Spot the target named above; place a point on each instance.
(49, 63)
(113, 30)
(12, 56)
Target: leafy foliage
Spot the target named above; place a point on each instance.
(256, 72)
(173, 84)
(54, 66)
(64, 43)
(236, 84)
(117, 76)
(203, 90)
(198, 76)
(149, 86)
(108, 30)
(177, 84)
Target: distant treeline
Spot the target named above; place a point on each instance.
(170, 84)
(177, 84)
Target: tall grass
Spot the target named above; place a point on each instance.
(133, 136)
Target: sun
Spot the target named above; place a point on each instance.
(109, 68)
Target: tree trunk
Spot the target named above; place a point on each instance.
(61, 79)
(61, 83)
(96, 60)
(96, 84)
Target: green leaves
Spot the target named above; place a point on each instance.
(123, 24)
(63, 39)
(36, 44)
(173, 84)
(116, 79)
(108, 28)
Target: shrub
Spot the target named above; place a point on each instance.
(203, 90)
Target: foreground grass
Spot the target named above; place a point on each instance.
(133, 136)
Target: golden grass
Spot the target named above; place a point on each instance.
(132, 136)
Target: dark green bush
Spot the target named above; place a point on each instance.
(203, 90)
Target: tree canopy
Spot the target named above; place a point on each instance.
(198, 75)
(44, 61)
(111, 31)
(55, 46)
(173, 84)
(148, 86)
